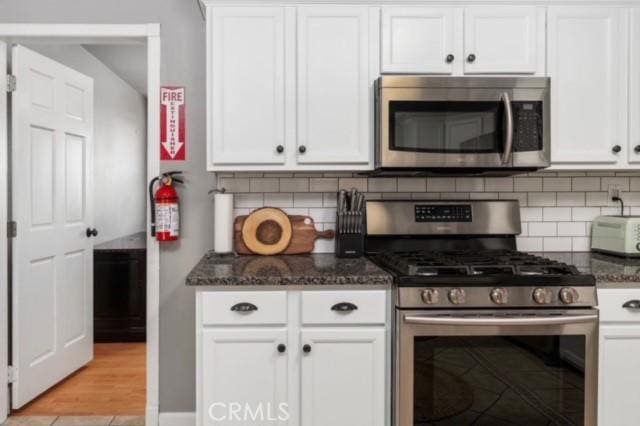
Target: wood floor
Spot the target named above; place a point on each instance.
(113, 384)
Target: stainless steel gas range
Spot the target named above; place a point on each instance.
(483, 334)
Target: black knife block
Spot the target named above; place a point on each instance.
(350, 242)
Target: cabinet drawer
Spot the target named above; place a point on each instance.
(244, 308)
(344, 307)
(610, 302)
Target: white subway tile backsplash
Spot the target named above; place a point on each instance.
(585, 184)
(294, 184)
(556, 214)
(323, 184)
(556, 244)
(441, 185)
(264, 185)
(527, 184)
(542, 229)
(498, 184)
(556, 208)
(310, 199)
(412, 184)
(278, 199)
(383, 184)
(469, 184)
(555, 184)
(541, 199)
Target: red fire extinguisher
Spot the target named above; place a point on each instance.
(165, 207)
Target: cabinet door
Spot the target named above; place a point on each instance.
(343, 377)
(247, 85)
(419, 40)
(634, 89)
(243, 366)
(587, 58)
(619, 364)
(335, 101)
(502, 40)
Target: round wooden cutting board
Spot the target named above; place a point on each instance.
(267, 231)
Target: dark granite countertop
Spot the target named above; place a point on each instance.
(610, 271)
(313, 269)
(128, 243)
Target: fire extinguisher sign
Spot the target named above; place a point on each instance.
(173, 141)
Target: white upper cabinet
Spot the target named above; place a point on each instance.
(503, 40)
(247, 85)
(587, 59)
(420, 39)
(634, 89)
(335, 95)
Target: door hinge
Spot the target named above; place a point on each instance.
(11, 374)
(12, 229)
(11, 83)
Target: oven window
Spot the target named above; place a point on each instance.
(446, 127)
(532, 380)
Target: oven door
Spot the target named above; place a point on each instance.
(479, 367)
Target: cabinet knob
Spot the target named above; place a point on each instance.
(637, 149)
(302, 149)
(616, 149)
(450, 58)
(280, 149)
(306, 349)
(471, 57)
(282, 348)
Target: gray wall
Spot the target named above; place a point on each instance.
(119, 145)
(183, 63)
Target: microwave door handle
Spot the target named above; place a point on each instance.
(498, 321)
(508, 140)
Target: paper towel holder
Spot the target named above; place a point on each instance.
(218, 191)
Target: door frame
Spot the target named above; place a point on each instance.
(79, 34)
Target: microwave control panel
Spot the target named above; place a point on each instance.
(443, 213)
(527, 126)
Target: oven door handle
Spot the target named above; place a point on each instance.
(508, 139)
(498, 321)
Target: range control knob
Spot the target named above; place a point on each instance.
(457, 296)
(568, 295)
(542, 296)
(430, 296)
(499, 296)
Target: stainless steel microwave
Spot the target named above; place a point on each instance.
(461, 125)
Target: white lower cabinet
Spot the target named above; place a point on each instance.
(343, 377)
(258, 364)
(619, 358)
(243, 374)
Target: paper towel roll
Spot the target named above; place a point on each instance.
(223, 223)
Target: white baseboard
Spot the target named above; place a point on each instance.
(177, 419)
(151, 415)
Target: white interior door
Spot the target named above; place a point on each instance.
(4, 305)
(52, 169)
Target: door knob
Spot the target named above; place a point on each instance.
(471, 58)
(450, 58)
(616, 149)
(92, 232)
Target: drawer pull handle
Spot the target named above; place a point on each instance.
(244, 307)
(344, 307)
(632, 304)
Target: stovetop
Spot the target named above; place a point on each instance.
(478, 268)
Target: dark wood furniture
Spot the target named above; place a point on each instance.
(119, 290)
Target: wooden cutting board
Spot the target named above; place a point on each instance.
(304, 235)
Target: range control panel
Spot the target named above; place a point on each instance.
(443, 213)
